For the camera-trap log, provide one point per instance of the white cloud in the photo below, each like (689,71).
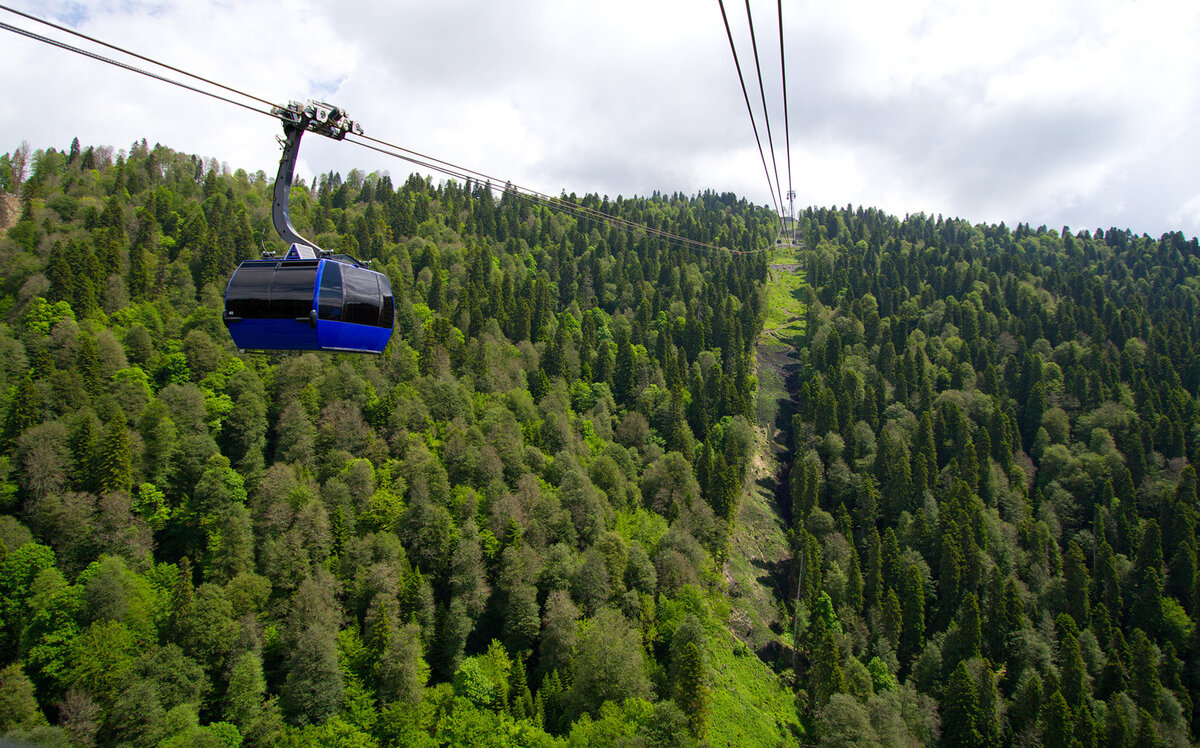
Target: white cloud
(1053,112)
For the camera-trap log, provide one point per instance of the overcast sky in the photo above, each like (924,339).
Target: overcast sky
(1044,111)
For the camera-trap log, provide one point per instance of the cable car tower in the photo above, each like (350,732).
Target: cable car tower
(310,299)
(791,196)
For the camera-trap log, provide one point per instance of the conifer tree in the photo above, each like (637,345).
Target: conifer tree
(1057,720)
(1148,590)
(244,696)
(1072,671)
(521,705)
(990,701)
(960,721)
(892,617)
(1078,584)
(912,602)
(873,585)
(60,274)
(691,688)
(623,374)
(138,276)
(24,410)
(115,468)
(969,627)
(825,671)
(1026,704)
(1145,684)
(894,475)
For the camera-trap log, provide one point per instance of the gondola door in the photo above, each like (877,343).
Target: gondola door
(354,309)
(269,305)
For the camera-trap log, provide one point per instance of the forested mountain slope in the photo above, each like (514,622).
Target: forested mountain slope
(514,526)
(995,474)
(514,515)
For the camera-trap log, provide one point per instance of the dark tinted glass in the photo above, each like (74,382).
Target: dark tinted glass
(361,296)
(292,290)
(248,291)
(389,312)
(329,303)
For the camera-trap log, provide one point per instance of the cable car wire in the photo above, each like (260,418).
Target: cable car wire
(533,196)
(766,112)
(787,130)
(423,160)
(745,95)
(470,174)
(122,50)
(126,66)
(375,144)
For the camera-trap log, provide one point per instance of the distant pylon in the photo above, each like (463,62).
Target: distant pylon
(792,213)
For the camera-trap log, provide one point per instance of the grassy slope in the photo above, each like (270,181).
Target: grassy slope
(785,310)
(751,704)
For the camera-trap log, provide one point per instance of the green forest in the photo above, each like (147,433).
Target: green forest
(583,497)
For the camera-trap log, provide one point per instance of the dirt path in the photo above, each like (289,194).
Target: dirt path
(759,564)
(778,362)
(772,270)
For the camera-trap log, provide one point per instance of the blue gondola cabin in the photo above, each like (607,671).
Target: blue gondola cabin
(315,304)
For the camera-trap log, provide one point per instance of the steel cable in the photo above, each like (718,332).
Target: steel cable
(745,95)
(122,50)
(766,112)
(375,144)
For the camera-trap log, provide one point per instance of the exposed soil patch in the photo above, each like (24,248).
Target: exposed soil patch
(784,267)
(10,210)
(759,568)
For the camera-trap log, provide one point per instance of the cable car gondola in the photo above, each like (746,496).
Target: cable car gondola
(319,304)
(310,300)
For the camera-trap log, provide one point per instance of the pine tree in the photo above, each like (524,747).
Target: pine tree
(88,362)
(925,456)
(1117,730)
(521,705)
(1026,704)
(691,688)
(873,587)
(892,619)
(893,471)
(25,409)
(244,696)
(314,687)
(1057,720)
(826,418)
(950,571)
(1078,583)
(110,242)
(854,580)
(115,455)
(960,709)
(60,274)
(623,376)
(1072,671)
(969,627)
(1146,686)
(990,701)
(805,490)
(1148,581)
(825,670)
(215,260)
(138,276)
(1086,730)
(912,602)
